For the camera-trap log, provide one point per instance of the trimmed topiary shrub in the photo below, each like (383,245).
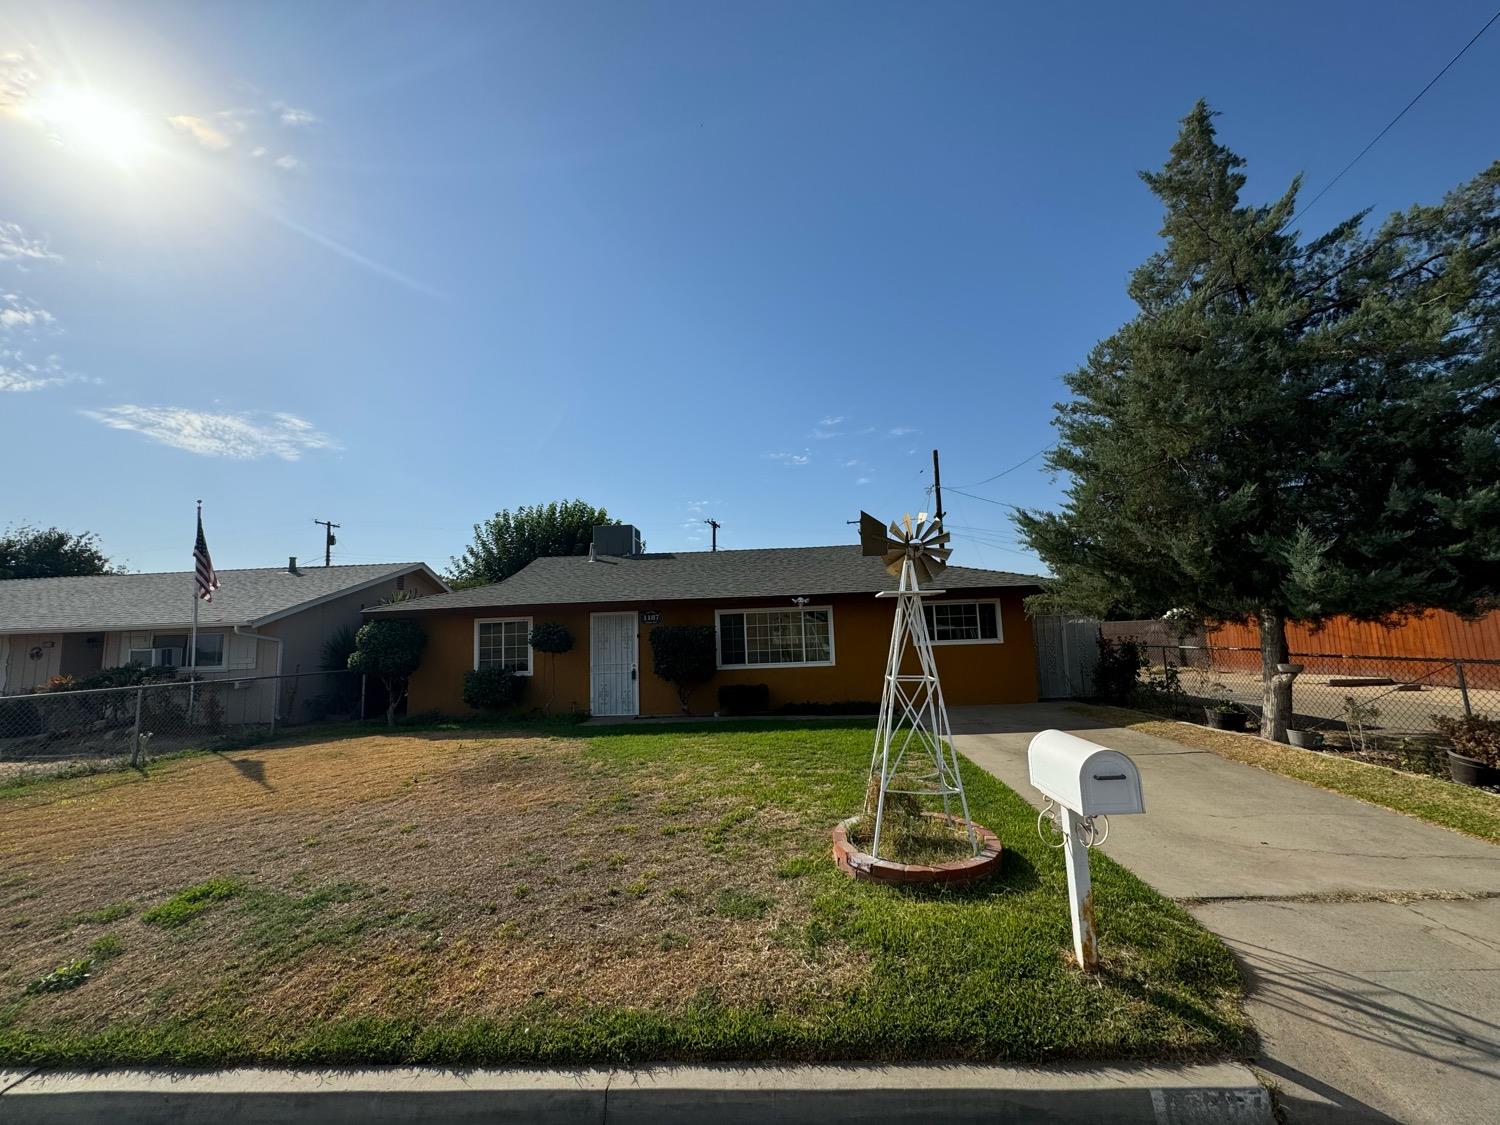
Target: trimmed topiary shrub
(683,655)
(744,699)
(493,688)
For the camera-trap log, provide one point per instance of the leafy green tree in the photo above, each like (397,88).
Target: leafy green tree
(683,655)
(507,541)
(31,552)
(390,650)
(1288,429)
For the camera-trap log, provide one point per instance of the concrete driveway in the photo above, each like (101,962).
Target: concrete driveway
(1376,994)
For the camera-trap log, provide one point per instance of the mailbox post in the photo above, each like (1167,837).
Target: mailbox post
(1082,780)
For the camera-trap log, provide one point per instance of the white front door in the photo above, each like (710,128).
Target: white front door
(613,674)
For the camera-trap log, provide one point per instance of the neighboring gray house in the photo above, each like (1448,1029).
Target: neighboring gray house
(262,622)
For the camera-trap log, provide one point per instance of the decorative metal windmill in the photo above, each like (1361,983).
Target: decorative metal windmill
(913,726)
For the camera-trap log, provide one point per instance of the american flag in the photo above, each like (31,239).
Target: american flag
(203,566)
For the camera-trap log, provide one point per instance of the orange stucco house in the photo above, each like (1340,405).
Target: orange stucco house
(802,620)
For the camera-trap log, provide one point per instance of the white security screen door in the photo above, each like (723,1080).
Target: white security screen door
(613,675)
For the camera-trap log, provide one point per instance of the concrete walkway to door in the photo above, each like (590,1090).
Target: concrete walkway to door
(1371,941)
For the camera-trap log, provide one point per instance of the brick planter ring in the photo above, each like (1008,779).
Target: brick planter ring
(862,865)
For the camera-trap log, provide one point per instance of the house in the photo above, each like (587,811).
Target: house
(261,622)
(802,620)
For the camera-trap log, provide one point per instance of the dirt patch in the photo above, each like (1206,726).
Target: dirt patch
(415,875)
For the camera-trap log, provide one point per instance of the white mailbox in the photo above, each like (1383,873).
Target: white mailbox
(1082,780)
(1083,776)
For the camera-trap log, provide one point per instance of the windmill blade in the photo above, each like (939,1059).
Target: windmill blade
(923,571)
(939,554)
(936,540)
(893,559)
(906,526)
(872,536)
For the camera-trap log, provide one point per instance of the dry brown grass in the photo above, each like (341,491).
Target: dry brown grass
(416,875)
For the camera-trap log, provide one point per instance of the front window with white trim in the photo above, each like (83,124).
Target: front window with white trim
(957,623)
(171,650)
(755,638)
(503,642)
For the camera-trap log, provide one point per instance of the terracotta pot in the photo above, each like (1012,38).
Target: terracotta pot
(1471,771)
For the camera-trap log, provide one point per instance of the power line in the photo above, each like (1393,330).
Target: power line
(1392,123)
(986,499)
(1003,472)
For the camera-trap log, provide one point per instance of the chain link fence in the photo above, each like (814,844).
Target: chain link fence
(1378,705)
(150,719)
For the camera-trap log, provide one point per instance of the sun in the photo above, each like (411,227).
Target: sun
(91,123)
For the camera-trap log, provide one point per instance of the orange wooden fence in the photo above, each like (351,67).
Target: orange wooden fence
(1437,633)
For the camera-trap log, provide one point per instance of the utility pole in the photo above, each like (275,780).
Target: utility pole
(937,487)
(715,525)
(329,540)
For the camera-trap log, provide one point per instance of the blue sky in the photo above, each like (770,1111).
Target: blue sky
(402,265)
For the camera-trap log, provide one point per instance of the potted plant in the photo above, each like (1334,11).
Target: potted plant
(1306,739)
(1225,714)
(1474,750)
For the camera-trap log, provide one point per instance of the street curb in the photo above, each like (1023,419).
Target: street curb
(1226,1093)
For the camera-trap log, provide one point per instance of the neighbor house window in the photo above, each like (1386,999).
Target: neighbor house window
(503,643)
(963,622)
(756,638)
(170,650)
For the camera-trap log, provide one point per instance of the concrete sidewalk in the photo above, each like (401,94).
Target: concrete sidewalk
(1214,1094)
(1376,994)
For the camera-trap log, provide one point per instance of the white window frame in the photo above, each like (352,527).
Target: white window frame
(530,652)
(997,639)
(156,651)
(832,649)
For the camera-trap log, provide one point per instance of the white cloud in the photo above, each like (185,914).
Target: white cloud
(790,458)
(241,437)
(824,435)
(902,431)
(201,131)
(287,163)
(19,375)
(18,314)
(862,480)
(294,117)
(258,151)
(15,246)
(832,420)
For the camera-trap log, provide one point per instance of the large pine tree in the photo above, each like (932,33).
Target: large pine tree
(1288,429)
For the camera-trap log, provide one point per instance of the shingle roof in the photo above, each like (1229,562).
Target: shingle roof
(126,601)
(768,573)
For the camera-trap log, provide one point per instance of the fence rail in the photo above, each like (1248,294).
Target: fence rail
(1392,695)
(149,719)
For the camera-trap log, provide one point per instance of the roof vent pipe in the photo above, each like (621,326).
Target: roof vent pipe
(591,552)
(291,564)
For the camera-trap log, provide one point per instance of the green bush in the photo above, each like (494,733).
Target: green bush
(683,655)
(1119,666)
(551,637)
(389,650)
(493,688)
(744,699)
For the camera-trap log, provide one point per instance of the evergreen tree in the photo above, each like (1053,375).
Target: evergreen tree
(1287,430)
(506,542)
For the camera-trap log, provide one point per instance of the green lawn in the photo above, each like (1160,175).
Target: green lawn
(557,895)
(1462,808)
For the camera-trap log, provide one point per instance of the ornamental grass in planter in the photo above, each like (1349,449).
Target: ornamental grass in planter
(1474,750)
(1225,715)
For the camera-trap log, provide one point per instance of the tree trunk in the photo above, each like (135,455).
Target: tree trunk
(1276,686)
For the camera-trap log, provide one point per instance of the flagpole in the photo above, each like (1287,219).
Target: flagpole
(193,642)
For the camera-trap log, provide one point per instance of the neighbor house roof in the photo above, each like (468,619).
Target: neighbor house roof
(696,575)
(130,601)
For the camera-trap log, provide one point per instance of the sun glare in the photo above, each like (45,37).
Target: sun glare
(92,124)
